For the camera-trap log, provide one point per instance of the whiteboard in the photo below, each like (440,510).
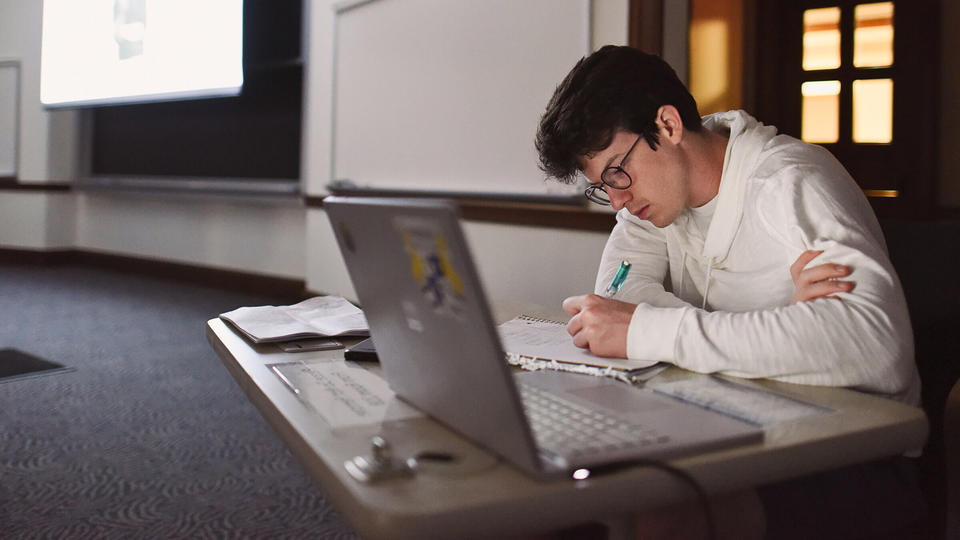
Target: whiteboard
(446,95)
(9,116)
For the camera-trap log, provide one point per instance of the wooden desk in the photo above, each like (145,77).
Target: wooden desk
(482,496)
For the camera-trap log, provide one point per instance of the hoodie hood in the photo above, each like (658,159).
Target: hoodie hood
(746,139)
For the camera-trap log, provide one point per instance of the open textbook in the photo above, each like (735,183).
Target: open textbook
(534,343)
(320,316)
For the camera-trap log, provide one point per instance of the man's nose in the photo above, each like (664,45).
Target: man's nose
(618,197)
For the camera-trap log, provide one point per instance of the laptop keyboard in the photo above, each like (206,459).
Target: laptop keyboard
(571,430)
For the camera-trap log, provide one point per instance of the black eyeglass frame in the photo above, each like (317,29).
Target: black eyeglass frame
(597,193)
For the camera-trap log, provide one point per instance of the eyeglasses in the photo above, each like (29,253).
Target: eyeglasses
(614,176)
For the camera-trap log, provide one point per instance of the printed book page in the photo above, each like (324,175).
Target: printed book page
(320,316)
(546,340)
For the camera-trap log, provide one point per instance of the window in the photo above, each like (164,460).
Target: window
(859,78)
(821,110)
(871,121)
(873,111)
(821,38)
(873,35)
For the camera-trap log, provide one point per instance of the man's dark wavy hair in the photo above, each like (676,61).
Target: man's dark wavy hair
(615,88)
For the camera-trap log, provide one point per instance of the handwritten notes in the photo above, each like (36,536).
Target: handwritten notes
(343,393)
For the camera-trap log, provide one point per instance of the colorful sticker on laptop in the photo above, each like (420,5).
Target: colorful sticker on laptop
(431,264)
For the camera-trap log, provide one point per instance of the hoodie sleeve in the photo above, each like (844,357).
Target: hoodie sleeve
(863,340)
(645,247)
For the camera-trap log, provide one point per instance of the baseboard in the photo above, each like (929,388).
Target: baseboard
(36,257)
(282,288)
(11,183)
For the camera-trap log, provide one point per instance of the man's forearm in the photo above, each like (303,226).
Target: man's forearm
(824,342)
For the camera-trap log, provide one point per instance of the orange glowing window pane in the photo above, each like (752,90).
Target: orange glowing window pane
(821,111)
(821,38)
(873,35)
(873,111)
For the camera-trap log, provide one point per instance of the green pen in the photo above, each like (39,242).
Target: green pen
(618,280)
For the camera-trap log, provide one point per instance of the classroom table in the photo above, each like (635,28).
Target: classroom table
(479,495)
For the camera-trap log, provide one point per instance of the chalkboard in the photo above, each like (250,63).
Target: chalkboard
(445,95)
(9,116)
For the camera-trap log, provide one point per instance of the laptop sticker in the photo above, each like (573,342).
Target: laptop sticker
(431,265)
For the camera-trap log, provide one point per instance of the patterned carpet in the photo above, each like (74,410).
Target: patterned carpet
(149,436)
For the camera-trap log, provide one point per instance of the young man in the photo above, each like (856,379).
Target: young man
(721,220)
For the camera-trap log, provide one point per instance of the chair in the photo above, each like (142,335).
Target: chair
(925,253)
(951,436)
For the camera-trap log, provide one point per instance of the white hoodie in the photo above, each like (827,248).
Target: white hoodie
(729,310)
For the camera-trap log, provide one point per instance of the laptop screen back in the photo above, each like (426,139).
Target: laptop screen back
(437,343)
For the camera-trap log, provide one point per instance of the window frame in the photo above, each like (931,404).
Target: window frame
(908,164)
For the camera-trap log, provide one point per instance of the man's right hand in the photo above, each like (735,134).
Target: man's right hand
(818,281)
(599,324)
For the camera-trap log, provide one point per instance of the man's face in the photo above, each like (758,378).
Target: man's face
(660,188)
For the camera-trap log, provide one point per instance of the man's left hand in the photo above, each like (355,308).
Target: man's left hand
(818,281)
(599,324)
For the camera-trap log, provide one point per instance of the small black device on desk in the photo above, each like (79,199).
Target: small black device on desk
(361,352)
(306,345)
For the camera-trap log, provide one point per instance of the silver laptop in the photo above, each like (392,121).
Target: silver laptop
(440,351)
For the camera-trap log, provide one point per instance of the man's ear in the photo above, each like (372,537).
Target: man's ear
(670,123)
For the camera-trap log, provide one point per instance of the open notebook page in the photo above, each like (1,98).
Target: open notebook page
(547,340)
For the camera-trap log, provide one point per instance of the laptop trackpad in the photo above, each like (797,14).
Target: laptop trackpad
(621,398)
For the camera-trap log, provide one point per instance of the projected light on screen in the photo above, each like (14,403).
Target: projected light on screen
(97,52)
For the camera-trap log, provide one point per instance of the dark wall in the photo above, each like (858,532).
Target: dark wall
(254,135)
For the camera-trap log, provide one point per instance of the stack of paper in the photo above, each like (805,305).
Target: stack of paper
(320,316)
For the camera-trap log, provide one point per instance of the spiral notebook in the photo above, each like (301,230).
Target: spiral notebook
(533,343)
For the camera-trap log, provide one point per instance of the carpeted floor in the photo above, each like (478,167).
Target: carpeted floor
(148,436)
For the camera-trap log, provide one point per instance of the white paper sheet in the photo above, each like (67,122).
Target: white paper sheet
(755,405)
(343,393)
